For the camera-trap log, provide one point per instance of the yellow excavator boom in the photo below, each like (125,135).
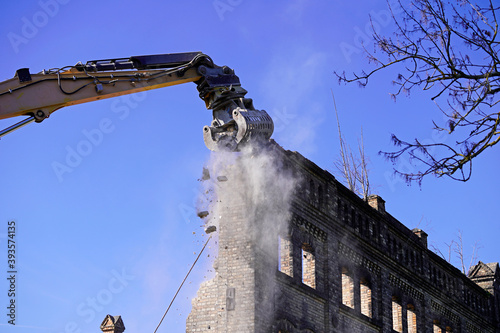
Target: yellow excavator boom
(235,121)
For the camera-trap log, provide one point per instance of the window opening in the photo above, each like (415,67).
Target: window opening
(285,256)
(411,318)
(347,289)
(308,266)
(366,298)
(397,314)
(436,328)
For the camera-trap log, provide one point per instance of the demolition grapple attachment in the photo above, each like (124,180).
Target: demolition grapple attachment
(235,120)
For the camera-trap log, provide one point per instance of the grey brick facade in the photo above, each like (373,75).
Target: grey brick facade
(339,264)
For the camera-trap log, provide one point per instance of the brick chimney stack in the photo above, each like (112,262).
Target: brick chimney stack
(422,235)
(377,202)
(112,324)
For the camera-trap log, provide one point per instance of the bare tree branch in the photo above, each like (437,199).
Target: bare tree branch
(363,169)
(354,169)
(449,251)
(456,247)
(450,49)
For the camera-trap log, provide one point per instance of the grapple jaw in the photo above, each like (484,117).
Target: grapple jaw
(246,125)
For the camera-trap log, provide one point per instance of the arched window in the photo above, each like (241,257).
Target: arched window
(285,256)
(308,266)
(313,195)
(389,245)
(346,219)
(368,228)
(397,315)
(321,199)
(366,298)
(347,289)
(411,319)
(435,327)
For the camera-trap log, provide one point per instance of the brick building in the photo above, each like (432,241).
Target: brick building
(338,264)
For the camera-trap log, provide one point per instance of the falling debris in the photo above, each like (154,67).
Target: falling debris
(205,175)
(210,229)
(203,214)
(222,178)
(249,193)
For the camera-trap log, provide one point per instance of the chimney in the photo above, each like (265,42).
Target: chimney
(422,235)
(376,202)
(112,324)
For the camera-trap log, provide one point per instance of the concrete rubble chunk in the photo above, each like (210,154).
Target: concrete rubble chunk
(205,174)
(210,229)
(203,214)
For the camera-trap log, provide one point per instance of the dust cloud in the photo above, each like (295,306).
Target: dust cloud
(247,198)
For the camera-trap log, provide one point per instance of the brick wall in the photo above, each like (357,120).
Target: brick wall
(340,265)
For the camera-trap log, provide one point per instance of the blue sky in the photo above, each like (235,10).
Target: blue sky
(117,234)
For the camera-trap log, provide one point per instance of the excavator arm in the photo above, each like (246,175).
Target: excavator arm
(235,121)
